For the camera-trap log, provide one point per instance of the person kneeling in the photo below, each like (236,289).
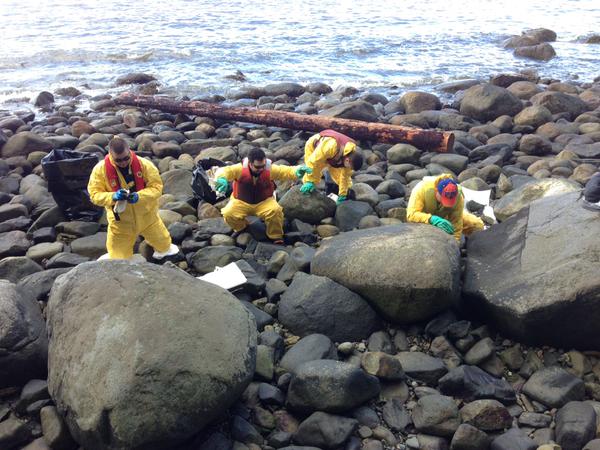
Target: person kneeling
(439,201)
(253,188)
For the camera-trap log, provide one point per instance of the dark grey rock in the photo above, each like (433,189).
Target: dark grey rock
(559,102)
(23,339)
(325,430)
(511,280)
(575,425)
(62,260)
(349,213)
(15,268)
(486,102)
(309,348)
(380,341)
(513,439)
(243,431)
(13,243)
(270,395)
(206,259)
(535,420)
(308,208)
(470,382)
(395,415)
(467,437)
(436,415)
(262,318)
(14,433)
(456,163)
(554,386)
(315,304)
(486,415)
(357,110)
(481,351)
(422,367)
(330,386)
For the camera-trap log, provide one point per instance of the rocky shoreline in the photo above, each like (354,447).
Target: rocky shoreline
(330,365)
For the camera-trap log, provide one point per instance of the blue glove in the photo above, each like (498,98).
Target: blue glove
(133,197)
(307,187)
(222,185)
(121,194)
(340,199)
(302,170)
(442,224)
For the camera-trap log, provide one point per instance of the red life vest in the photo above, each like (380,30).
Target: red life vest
(246,190)
(341,141)
(113,178)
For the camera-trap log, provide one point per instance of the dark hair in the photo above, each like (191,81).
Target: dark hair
(118,145)
(256,154)
(356,160)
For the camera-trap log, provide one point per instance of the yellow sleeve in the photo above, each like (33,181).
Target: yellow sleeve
(318,158)
(345,181)
(456,217)
(154,184)
(280,172)
(416,206)
(230,173)
(98,187)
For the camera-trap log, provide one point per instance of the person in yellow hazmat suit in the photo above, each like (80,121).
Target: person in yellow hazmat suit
(135,184)
(336,152)
(253,188)
(439,201)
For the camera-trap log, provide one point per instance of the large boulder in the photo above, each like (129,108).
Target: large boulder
(536,275)
(541,52)
(178,182)
(486,102)
(519,198)
(341,315)
(408,272)
(23,340)
(150,364)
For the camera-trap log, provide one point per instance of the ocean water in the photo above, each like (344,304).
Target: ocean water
(191,46)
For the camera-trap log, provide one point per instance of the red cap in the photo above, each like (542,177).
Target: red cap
(448,190)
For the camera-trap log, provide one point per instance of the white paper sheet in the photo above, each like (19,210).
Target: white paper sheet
(226,277)
(481,197)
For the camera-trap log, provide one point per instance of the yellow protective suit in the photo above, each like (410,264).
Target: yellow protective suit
(316,159)
(423,204)
(236,211)
(139,218)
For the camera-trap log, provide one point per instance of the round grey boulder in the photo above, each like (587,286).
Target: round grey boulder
(143,356)
(408,272)
(486,102)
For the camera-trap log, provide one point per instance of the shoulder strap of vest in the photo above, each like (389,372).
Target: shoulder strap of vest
(245,163)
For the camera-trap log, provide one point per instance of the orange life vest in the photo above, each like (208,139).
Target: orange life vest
(113,177)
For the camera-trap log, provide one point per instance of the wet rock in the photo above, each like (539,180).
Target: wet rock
(206,259)
(390,253)
(422,367)
(324,430)
(540,52)
(415,102)
(575,425)
(554,386)
(310,348)
(486,102)
(179,359)
(523,196)
(467,437)
(541,291)
(23,143)
(559,102)
(470,382)
(134,78)
(330,386)
(308,208)
(23,340)
(342,315)
(486,415)
(436,415)
(513,439)
(357,110)
(349,213)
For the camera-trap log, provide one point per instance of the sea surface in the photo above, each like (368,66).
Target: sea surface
(191,46)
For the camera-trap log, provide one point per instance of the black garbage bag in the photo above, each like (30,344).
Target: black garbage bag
(68,173)
(200,184)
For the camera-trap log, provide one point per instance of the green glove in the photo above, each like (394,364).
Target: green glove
(340,199)
(222,185)
(302,170)
(442,224)
(307,187)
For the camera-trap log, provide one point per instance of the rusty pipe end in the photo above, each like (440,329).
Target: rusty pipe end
(447,143)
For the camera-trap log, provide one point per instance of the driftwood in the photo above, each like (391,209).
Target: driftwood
(379,132)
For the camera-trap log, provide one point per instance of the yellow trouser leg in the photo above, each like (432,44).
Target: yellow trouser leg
(270,211)
(157,236)
(235,213)
(471,223)
(119,242)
